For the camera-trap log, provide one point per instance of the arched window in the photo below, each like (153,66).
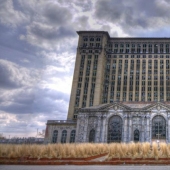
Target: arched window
(136,135)
(115,129)
(55,135)
(158,127)
(72,136)
(64,136)
(92,136)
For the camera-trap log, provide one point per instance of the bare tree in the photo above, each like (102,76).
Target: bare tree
(2,136)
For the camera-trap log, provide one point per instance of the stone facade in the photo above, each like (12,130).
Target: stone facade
(136,117)
(59,126)
(133,116)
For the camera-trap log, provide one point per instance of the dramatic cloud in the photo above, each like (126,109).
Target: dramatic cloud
(9,16)
(13,76)
(38,44)
(134,16)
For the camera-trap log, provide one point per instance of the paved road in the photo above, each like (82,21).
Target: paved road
(71,167)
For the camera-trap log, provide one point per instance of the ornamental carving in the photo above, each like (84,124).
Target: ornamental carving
(81,131)
(92,122)
(137,120)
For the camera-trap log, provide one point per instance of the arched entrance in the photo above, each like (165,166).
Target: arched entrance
(158,128)
(136,135)
(92,136)
(114,129)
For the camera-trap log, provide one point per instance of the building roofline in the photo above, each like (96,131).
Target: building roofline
(141,38)
(118,38)
(104,32)
(61,122)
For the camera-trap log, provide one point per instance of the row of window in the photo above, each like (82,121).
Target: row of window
(63,136)
(138,45)
(90,51)
(91,45)
(138,56)
(132,63)
(136,51)
(91,39)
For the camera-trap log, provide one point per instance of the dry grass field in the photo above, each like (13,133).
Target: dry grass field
(114,150)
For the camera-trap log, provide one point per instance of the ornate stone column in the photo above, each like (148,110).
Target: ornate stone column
(143,128)
(125,134)
(148,129)
(77,139)
(86,118)
(104,129)
(130,128)
(82,124)
(98,137)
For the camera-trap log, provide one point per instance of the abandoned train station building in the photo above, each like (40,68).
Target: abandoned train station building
(120,91)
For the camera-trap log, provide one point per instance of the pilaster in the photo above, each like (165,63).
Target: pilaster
(125,134)
(143,129)
(158,85)
(104,129)
(140,80)
(128,78)
(98,136)
(122,81)
(134,81)
(130,128)
(86,117)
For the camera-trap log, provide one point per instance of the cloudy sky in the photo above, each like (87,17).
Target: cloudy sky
(38,43)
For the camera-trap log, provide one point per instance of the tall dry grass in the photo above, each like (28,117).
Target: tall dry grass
(138,150)
(53,150)
(114,150)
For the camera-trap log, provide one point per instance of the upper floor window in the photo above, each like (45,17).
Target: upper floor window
(161,45)
(121,45)
(133,45)
(92,39)
(97,39)
(116,45)
(91,44)
(97,44)
(85,39)
(110,45)
(144,45)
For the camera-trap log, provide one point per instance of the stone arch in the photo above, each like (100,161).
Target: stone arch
(155,114)
(115,128)
(159,127)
